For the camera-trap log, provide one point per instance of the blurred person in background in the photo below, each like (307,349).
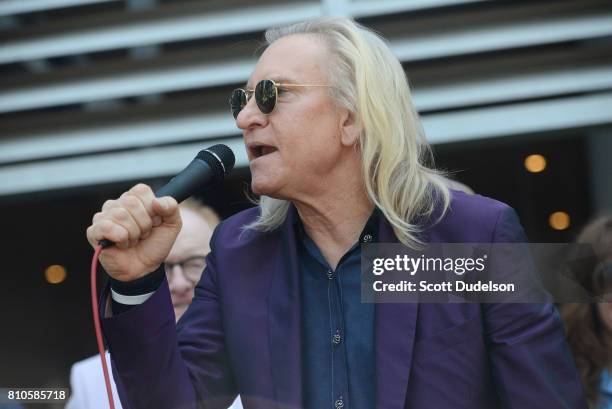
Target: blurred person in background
(589,325)
(184,266)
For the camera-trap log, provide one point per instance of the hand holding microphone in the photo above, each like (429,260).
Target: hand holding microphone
(143,225)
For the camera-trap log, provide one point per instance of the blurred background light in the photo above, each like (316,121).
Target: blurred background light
(535,163)
(559,220)
(55,274)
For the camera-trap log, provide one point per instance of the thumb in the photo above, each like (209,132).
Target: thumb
(167,208)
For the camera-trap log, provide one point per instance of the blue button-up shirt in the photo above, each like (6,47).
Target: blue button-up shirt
(337,329)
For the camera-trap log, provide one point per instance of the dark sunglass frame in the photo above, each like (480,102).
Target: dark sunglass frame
(266,95)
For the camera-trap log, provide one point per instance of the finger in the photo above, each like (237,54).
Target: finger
(90,237)
(138,212)
(157,220)
(96,217)
(109,230)
(145,194)
(167,208)
(122,217)
(109,204)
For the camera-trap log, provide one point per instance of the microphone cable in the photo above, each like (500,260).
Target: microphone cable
(98,328)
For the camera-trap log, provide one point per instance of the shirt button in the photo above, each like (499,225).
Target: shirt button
(337,339)
(367,238)
(330,274)
(339,403)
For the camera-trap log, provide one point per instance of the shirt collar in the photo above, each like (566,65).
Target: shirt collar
(369,234)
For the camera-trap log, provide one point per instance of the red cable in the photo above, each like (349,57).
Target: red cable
(96,319)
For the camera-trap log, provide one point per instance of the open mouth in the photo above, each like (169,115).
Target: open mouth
(258,150)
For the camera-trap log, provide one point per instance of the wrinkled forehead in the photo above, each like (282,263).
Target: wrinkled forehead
(296,59)
(194,237)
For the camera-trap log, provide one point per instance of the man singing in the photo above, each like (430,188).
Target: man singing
(337,153)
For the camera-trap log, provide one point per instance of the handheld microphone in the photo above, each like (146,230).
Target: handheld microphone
(210,165)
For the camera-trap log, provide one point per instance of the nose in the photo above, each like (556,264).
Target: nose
(177,282)
(250,116)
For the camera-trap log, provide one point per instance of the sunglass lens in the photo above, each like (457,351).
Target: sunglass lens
(265,96)
(237,101)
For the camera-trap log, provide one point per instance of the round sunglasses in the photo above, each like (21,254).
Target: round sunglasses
(266,94)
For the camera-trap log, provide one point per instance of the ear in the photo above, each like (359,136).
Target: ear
(350,130)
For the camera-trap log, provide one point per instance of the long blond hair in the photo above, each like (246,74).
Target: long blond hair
(368,80)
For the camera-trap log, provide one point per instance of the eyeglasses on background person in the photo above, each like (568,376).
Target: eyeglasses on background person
(191,268)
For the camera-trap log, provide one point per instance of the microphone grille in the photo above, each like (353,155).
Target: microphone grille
(220,158)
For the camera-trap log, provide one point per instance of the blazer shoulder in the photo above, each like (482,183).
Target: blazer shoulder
(232,233)
(475,206)
(474,218)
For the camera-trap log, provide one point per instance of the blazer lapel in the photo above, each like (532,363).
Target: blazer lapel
(284,320)
(394,332)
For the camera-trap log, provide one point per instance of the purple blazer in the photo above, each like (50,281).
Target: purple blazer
(241,334)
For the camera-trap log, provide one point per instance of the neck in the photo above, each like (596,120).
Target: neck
(335,219)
